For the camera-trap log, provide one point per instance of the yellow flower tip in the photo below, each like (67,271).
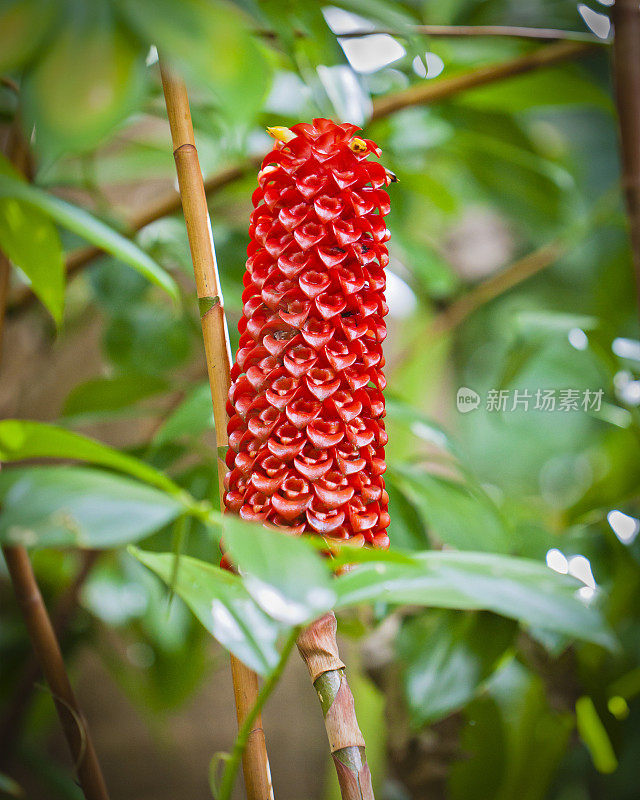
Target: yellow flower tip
(281,134)
(358,145)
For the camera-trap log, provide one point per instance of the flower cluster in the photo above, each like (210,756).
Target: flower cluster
(306,434)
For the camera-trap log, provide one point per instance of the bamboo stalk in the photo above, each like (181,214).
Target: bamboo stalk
(255,761)
(48,652)
(422,94)
(626,66)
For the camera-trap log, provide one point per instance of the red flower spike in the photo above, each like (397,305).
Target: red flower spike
(306,431)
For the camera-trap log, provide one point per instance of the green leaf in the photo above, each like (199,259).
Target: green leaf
(75,506)
(148,339)
(31,242)
(458,514)
(213,45)
(513,587)
(88,81)
(23,439)
(221,602)
(445,657)
(103,395)
(566,85)
(284,575)
(551,322)
(191,418)
(595,736)
(88,227)
(421,425)
(23,26)
(514,739)
(406,530)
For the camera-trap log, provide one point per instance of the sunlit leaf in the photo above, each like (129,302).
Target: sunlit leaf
(224,606)
(212,44)
(79,507)
(594,735)
(88,227)
(24,439)
(283,574)
(445,656)
(513,587)
(457,513)
(31,241)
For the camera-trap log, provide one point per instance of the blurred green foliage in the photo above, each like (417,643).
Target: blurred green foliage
(546,703)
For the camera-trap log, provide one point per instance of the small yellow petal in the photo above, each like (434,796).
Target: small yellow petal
(281,134)
(358,145)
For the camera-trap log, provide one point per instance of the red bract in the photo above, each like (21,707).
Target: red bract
(306,431)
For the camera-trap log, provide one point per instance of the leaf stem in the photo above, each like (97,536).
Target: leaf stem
(231,769)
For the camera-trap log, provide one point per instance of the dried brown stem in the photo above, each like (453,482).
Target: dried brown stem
(422,94)
(626,66)
(255,762)
(319,650)
(13,718)
(48,653)
(464,31)
(502,31)
(5,273)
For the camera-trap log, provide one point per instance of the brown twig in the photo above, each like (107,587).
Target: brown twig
(433,91)
(216,342)
(464,31)
(459,310)
(5,274)
(508,31)
(48,653)
(626,66)
(13,718)
(422,94)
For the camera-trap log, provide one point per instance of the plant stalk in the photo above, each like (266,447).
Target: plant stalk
(48,653)
(319,651)
(11,723)
(246,728)
(255,761)
(422,94)
(626,68)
